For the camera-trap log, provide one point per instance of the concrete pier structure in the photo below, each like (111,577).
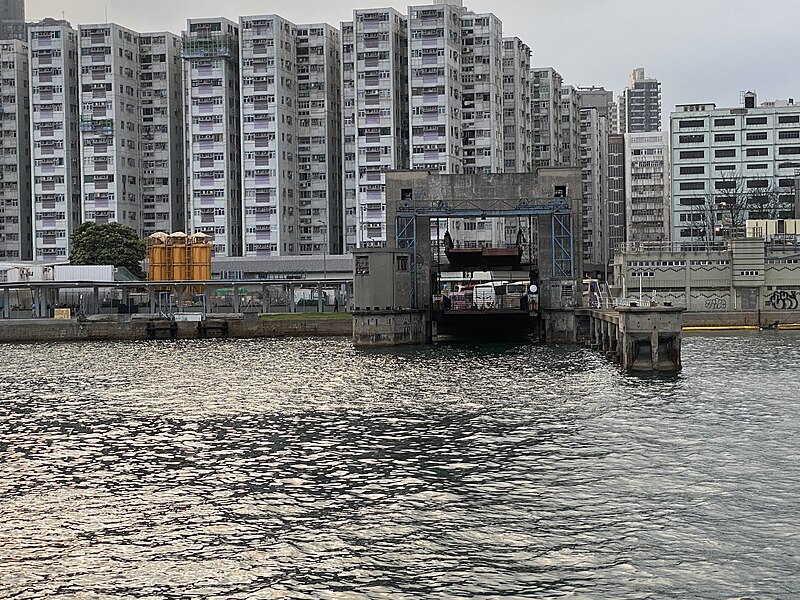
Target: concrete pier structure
(639,338)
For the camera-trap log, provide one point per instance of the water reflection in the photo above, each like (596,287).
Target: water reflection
(307,469)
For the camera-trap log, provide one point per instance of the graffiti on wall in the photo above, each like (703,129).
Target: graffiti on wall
(716,304)
(783,300)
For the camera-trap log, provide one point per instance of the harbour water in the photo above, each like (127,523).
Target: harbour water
(308,469)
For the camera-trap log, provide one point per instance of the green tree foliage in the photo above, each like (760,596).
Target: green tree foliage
(108,244)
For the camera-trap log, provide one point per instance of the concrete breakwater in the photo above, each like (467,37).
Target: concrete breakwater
(142,327)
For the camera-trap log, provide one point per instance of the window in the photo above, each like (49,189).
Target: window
(725,153)
(686,123)
(758,151)
(789,135)
(756,120)
(724,122)
(725,137)
(693,170)
(789,119)
(692,139)
(789,150)
(692,185)
(693,154)
(756,135)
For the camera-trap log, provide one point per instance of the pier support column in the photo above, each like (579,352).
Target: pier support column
(651,338)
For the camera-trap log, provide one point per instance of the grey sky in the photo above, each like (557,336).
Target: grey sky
(700,50)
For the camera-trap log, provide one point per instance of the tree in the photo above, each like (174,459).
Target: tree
(108,244)
(723,212)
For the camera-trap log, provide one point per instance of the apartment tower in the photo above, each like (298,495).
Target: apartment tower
(210,52)
(15,157)
(56,168)
(161,133)
(110,125)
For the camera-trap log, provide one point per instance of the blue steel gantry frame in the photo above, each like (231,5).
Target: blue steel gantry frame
(562,238)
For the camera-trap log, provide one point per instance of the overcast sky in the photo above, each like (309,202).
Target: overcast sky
(700,50)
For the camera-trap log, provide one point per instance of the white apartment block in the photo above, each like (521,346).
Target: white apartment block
(482,80)
(269,135)
(594,169)
(319,132)
(570,126)
(110,119)
(378,123)
(435,86)
(210,52)
(349,134)
(639,105)
(647,213)
(732,164)
(161,133)
(546,111)
(517,122)
(15,156)
(56,173)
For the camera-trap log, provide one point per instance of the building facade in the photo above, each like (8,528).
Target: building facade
(435,87)
(12,20)
(570,126)
(616,196)
(161,133)
(376,126)
(517,121)
(56,165)
(269,135)
(319,150)
(482,78)
(731,164)
(210,53)
(639,105)
(647,193)
(547,109)
(15,158)
(109,126)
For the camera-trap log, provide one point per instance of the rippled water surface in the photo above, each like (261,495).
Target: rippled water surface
(307,469)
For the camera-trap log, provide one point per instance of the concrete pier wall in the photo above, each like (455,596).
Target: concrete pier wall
(135,328)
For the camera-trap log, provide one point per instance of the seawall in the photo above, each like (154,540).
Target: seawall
(128,328)
(739,318)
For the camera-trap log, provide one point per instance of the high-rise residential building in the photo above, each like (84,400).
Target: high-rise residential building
(639,105)
(596,107)
(15,156)
(210,52)
(482,80)
(547,110)
(319,149)
(56,167)
(615,197)
(517,122)
(12,20)
(161,133)
(647,214)
(731,164)
(349,135)
(110,125)
(376,127)
(269,135)
(570,126)
(435,87)
(594,173)
(600,99)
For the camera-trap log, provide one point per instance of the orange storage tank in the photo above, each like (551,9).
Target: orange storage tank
(157,268)
(201,257)
(179,256)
